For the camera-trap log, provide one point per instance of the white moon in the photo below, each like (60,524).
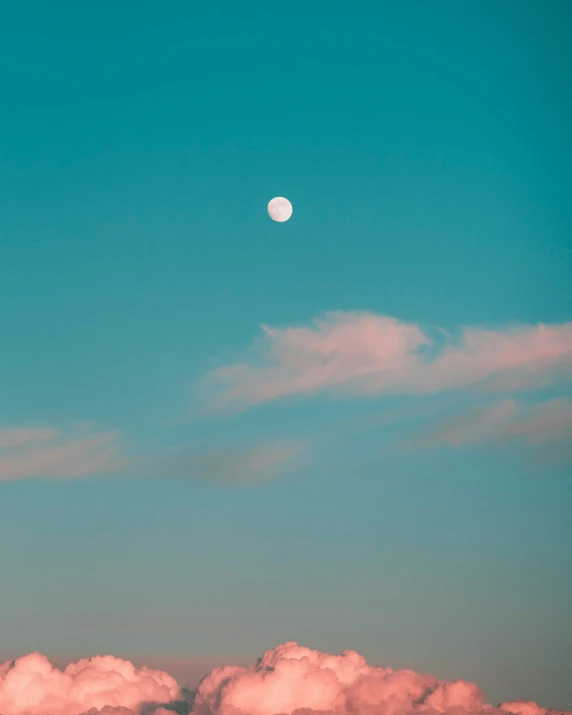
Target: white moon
(279,209)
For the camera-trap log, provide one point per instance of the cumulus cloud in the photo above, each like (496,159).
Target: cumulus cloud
(32,686)
(286,680)
(293,679)
(46,453)
(364,353)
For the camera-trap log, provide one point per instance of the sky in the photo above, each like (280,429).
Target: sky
(351,430)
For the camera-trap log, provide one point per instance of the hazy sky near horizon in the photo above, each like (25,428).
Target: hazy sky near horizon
(219,433)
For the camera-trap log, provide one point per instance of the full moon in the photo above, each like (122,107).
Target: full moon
(279,209)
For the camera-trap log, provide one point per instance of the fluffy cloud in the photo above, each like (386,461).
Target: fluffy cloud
(288,679)
(364,353)
(293,679)
(31,686)
(47,453)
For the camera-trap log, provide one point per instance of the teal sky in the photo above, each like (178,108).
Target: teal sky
(425,147)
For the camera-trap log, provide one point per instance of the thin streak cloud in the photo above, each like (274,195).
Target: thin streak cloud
(233,465)
(47,453)
(41,453)
(544,428)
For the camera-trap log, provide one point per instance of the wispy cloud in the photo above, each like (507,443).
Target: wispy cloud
(238,465)
(28,453)
(470,426)
(546,427)
(361,353)
(47,453)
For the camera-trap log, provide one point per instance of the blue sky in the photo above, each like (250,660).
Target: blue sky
(425,148)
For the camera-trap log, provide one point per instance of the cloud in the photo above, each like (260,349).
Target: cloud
(546,424)
(361,353)
(32,686)
(288,679)
(45,453)
(243,465)
(27,453)
(294,679)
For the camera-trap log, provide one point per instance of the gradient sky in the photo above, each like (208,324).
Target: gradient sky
(425,147)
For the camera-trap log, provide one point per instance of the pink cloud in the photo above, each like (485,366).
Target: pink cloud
(242,465)
(27,453)
(546,422)
(286,680)
(32,686)
(16,437)
(505,422)
(363,353)
(293,679)
(471,426)
(45,453)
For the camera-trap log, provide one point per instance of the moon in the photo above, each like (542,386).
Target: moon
(279,209)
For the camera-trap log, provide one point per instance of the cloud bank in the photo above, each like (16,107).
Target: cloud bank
(362,353)
(287,680)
